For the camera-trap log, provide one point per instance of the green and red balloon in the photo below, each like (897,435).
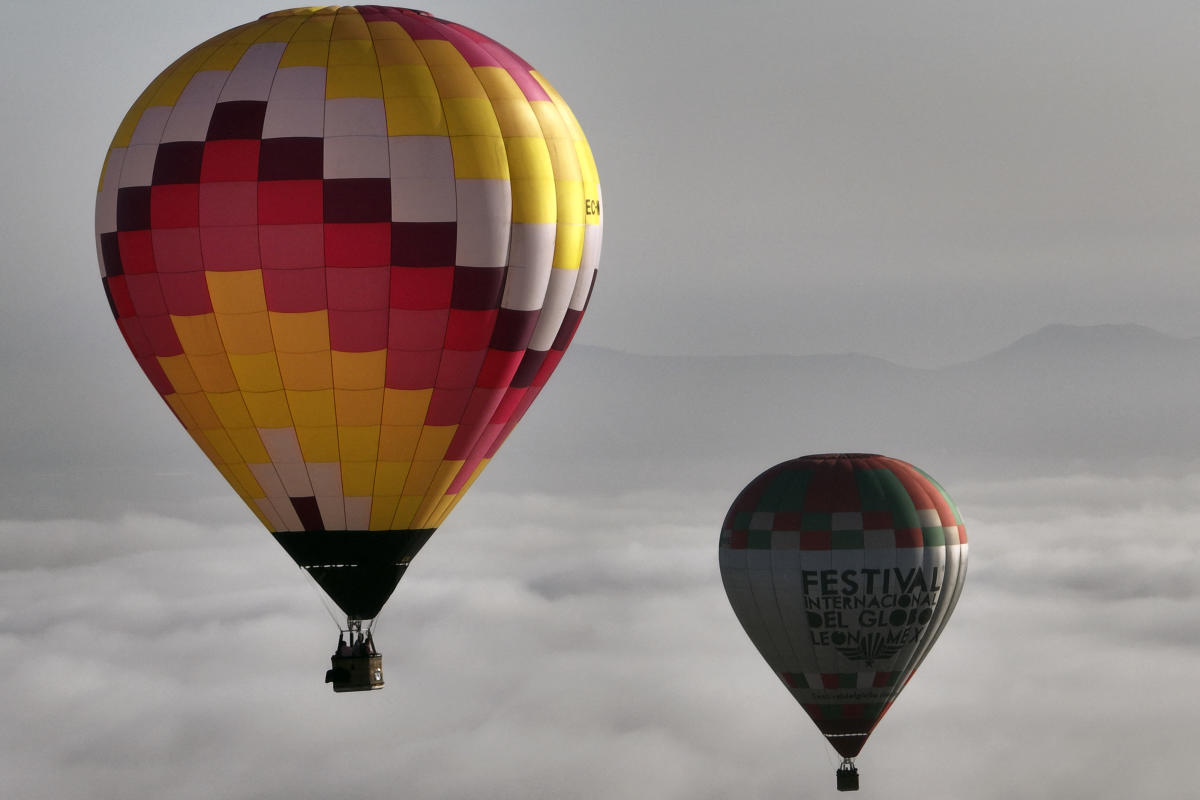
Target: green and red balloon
(843,569)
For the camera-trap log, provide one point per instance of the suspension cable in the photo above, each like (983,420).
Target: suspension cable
(330,608)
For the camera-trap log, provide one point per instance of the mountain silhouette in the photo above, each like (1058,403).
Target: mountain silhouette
(1105,398)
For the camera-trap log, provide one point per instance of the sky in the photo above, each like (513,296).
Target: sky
(923,182)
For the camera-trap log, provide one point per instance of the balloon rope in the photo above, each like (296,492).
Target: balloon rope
(325,601)
(371,622)
(828,760)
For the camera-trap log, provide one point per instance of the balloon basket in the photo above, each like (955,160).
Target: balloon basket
(847,777)
(355,667)
(355,673)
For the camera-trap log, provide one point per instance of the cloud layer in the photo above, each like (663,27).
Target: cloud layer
(551,646)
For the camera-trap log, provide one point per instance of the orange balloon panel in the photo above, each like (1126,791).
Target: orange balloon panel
(348,246)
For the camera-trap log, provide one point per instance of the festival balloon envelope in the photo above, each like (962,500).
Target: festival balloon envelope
(348,246)
(843,569)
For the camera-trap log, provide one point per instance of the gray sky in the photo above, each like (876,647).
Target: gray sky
(924,182)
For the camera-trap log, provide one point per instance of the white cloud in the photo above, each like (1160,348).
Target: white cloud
(546,646)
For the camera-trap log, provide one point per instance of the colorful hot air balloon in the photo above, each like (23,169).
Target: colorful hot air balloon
(348,246)
(843,569)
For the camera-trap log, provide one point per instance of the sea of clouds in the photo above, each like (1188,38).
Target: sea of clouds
(546,645)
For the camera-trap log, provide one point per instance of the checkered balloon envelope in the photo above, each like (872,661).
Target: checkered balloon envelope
(843,569)
(348,246)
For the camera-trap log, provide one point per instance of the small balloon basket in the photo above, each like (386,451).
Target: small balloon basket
(356,666)
(847,777)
